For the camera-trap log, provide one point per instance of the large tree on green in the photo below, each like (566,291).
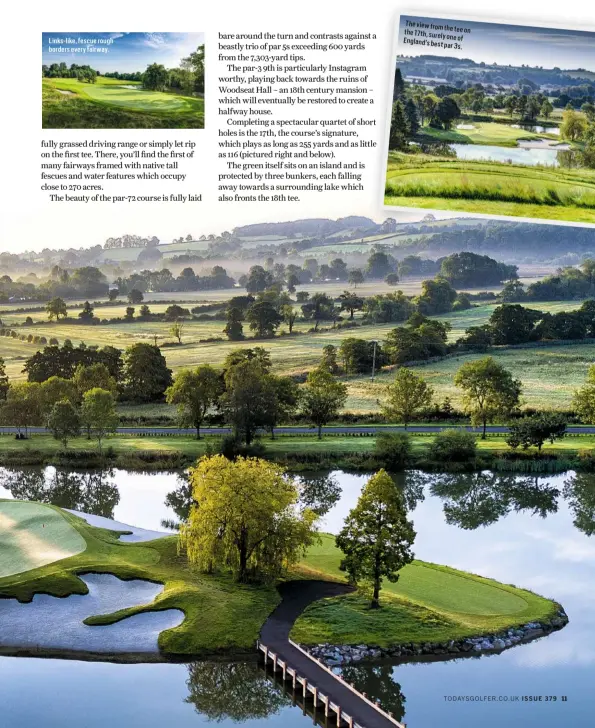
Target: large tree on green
(322,397)
(56,389)
(146,375)
(535,429)
(377,537)
(489,390)
(245,517)
(195,391)
(405,395)
(64,422)
(234,329)
(89,376)
(264,319)
(155,77)
(98,414)
(22,407)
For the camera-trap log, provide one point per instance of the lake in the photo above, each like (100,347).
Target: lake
(535,532)
(508,155)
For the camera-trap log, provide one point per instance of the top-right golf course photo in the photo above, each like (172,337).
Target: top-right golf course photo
(493,119)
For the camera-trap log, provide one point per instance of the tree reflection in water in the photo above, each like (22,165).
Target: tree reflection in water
(91,492)
(479,499)
(377,681)
(579,491)
(238,691)
(319,492)
(180,501)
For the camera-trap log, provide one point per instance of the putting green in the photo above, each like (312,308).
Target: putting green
(130,97)
(33,535)
(436,587)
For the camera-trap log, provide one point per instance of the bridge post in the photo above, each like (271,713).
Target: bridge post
(338,716)
(305,689)
(315,698)
(274,664)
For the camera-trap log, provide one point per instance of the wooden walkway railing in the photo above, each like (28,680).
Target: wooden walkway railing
(319,699)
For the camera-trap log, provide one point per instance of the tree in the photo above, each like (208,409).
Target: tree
(56,308)
(56,389)
(573,125)
(64,422)
(489,390)
(155,77)
(146,375)
(289,315)
(322,397)
(22,407)
(356,277)
(445,113)
(392,279)
(513,323)
(86,314)
(377,536)
(350,302)
(546,109)
(135,297)
(176,330)
(263,319)
(398,135)
(195,392)
(406,395)
(245,518)
(3,380)
(379,265)
(437,296)
(250,399)
(234,329)
(583,401)
(258,280)
(113,294)
(98,414)
(89,376)
(536,429)
(329,358)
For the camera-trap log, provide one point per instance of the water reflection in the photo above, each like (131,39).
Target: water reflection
(91,492)
(479,499)
(579,491)
(379,683)
(238,691)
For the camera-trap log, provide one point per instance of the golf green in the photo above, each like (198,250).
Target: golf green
(33,535)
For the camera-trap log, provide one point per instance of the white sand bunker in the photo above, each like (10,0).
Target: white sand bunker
(136,535)
(56,623)
(32,535)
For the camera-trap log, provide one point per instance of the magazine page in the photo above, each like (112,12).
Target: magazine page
(297,381)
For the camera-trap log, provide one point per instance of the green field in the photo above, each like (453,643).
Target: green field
(550,374)
(111,104)
(32,535)
(490,188)
(430,602)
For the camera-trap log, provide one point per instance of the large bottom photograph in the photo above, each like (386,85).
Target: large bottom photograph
(336,472)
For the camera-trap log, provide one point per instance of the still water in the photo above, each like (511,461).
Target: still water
(508,155)
(536,532)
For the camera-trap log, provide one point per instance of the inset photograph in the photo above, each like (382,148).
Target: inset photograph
(493,119)
(123,80)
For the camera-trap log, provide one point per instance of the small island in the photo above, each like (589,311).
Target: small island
(129,594)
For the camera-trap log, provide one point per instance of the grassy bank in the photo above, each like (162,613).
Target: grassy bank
(490,188)
(297,452)
(429,603)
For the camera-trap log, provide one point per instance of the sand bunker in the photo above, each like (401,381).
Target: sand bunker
(32,535)
(136,535)
(54,623)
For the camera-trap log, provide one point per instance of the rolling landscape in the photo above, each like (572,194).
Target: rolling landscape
(492,139)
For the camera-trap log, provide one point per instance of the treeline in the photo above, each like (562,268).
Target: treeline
(61,70)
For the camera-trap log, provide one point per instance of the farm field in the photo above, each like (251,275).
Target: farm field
(550,373)
(111,104)
(490,188)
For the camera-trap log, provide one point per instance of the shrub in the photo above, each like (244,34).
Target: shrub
(393,449)
(453,445)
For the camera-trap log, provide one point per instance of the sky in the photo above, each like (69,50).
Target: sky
(513,45)
(124,52)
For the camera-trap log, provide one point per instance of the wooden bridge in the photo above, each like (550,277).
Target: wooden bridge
(330,697)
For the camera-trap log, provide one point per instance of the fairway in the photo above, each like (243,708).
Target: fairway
(482,132)
(33,535)
(129,96)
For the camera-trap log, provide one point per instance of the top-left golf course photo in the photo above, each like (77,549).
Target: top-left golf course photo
(123,80)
